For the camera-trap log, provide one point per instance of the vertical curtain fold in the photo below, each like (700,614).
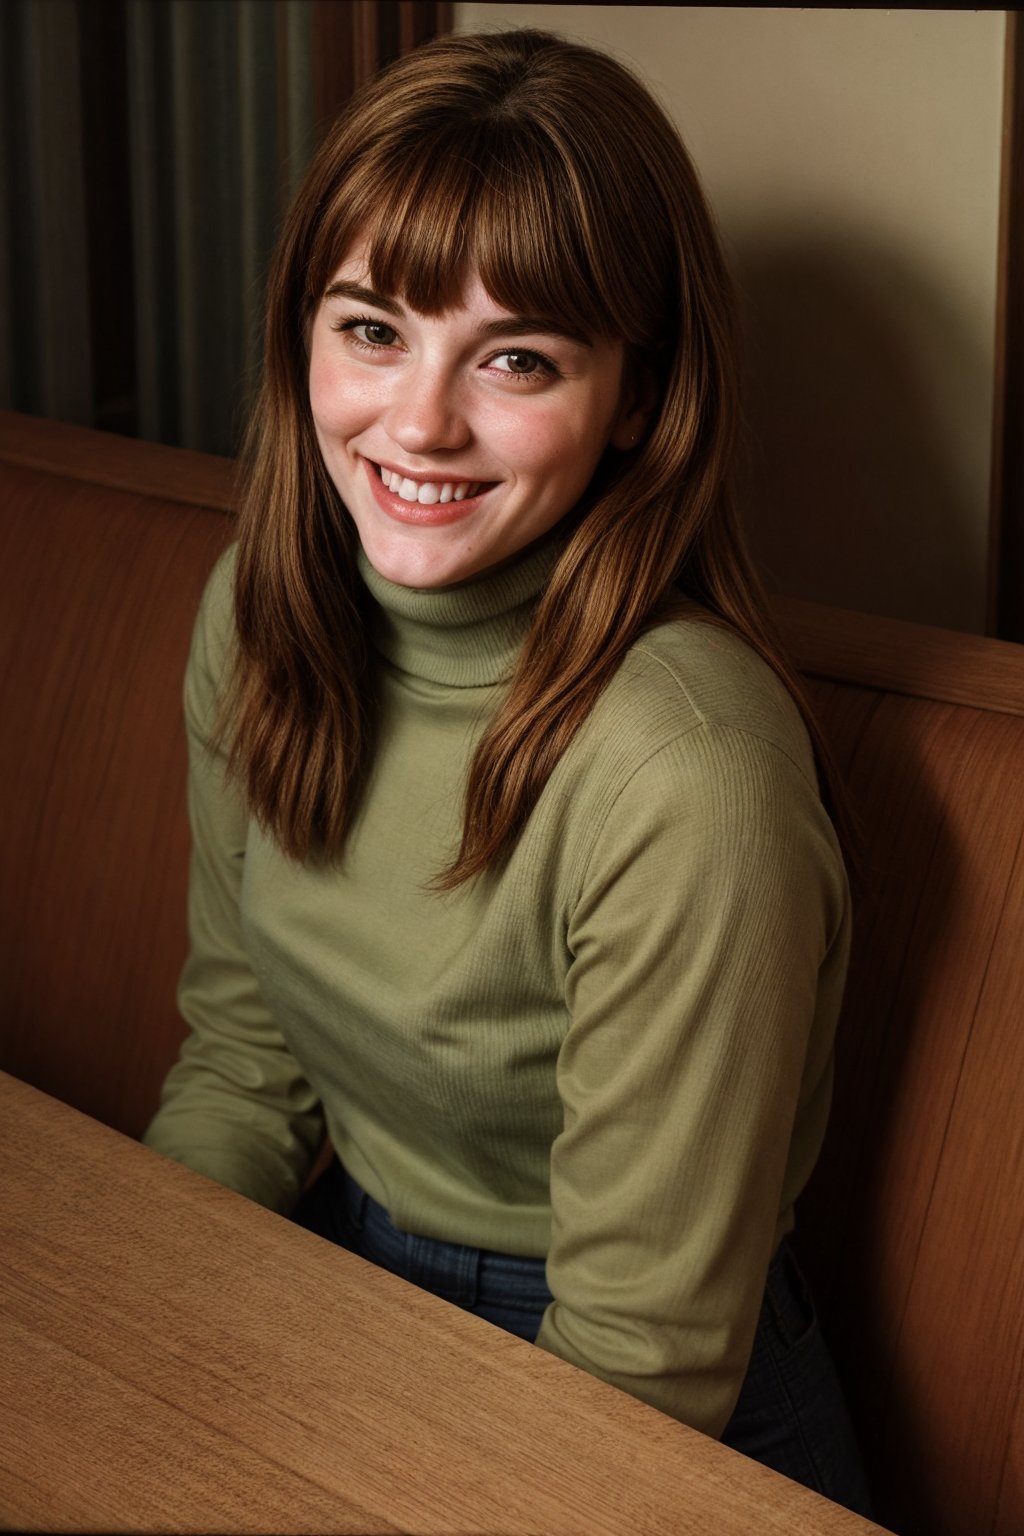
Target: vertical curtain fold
(203,117)
(46,341)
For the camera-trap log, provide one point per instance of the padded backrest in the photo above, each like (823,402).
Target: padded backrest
(98,590)
(913,1225)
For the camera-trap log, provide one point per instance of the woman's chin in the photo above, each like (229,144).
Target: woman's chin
(412,563)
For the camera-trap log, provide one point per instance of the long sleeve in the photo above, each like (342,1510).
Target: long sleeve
(708,949)
(236,1106)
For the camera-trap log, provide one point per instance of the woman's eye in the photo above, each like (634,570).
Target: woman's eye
(375,332)
(366,333)
(523,364)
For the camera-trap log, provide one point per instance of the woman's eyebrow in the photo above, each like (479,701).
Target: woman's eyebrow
(346,290)
(519,325)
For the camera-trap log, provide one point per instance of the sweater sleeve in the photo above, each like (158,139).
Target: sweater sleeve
(696,1071)
(236,1106)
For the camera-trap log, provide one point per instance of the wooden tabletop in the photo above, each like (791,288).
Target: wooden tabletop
(175,1358)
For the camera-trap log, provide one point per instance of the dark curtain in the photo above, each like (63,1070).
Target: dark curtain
(148,149)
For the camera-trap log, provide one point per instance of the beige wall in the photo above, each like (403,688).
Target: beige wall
(853,160)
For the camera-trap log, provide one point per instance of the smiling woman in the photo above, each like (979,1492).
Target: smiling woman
(511,867)
(452,451)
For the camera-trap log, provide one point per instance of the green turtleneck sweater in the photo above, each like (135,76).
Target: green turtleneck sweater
(616,1051)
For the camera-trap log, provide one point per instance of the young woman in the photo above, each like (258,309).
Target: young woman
(510,865)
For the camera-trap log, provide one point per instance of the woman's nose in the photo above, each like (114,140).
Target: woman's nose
(426,413)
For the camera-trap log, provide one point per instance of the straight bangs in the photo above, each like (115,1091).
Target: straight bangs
(447,206)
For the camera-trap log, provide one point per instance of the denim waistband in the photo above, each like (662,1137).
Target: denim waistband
(469,1277)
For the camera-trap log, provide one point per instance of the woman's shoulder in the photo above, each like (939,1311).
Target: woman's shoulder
(212,643)
(217,604)
(696,755)
(215,620)
(692,674)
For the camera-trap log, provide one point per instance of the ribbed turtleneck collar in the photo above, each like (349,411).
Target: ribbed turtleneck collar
(466,636)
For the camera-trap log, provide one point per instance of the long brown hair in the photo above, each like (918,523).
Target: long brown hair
(548,168)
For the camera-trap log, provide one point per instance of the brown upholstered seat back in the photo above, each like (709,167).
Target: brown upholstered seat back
(98,591)
(914,1223)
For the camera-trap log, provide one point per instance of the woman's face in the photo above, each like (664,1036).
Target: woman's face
(456,440)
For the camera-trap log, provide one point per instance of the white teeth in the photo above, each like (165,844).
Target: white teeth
(427,492)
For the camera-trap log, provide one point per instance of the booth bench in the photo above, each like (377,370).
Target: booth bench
(913,1226)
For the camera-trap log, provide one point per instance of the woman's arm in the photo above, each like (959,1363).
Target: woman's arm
(709,947)
(236,1106)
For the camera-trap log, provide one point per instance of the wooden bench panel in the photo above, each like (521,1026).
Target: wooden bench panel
(913,1225)
(94,633)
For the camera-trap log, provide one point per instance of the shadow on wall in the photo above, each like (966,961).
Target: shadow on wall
(868,407)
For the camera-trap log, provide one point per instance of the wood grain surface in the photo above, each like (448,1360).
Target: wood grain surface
(123,463)
(177,1359)
(913,1223)
(913,659)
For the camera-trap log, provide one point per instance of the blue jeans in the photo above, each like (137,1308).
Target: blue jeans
(790,1415)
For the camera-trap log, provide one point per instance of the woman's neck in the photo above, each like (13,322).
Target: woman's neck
(463,636)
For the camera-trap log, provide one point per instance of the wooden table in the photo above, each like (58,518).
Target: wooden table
(175,1358)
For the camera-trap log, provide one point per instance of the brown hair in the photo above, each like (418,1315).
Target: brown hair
(549,169)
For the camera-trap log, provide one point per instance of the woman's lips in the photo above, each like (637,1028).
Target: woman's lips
(429,513)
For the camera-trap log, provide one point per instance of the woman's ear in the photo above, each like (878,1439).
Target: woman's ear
(639,397)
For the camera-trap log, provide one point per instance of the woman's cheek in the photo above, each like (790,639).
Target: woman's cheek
(320,386)
(532,438)
(332,398)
